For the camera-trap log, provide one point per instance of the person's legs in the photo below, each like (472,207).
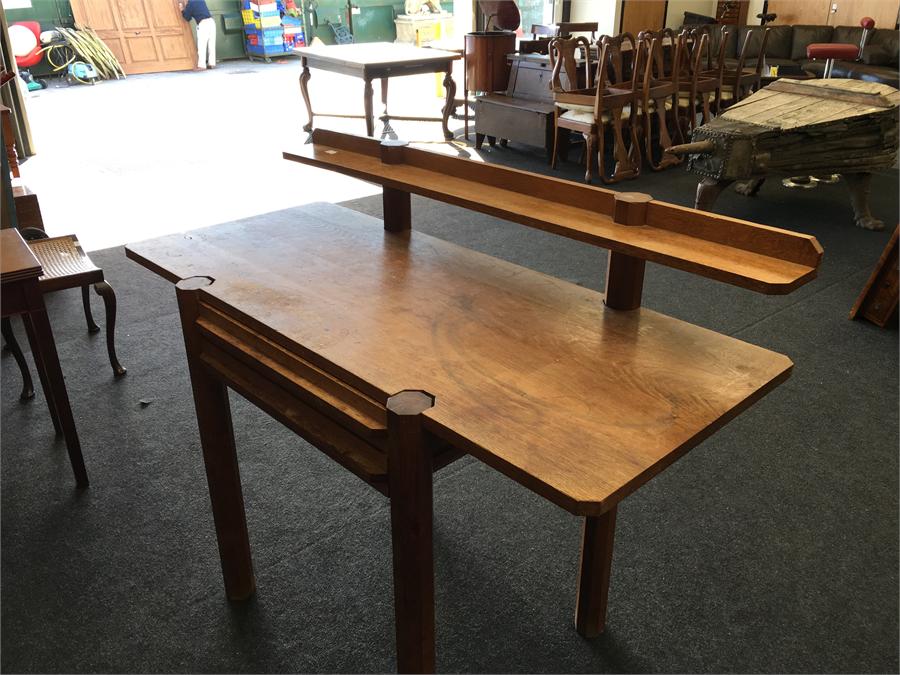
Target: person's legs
(212,43)
(202,42)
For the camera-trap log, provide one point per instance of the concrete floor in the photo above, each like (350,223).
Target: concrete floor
(153,154)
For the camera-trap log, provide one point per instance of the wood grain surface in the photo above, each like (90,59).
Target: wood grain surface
(16,259)
(374,54)
(764,259)
(531,374)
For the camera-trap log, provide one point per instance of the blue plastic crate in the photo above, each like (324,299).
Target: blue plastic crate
(267,50)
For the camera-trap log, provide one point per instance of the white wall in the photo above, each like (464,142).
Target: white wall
(605,12)
(676,9)
(754,9)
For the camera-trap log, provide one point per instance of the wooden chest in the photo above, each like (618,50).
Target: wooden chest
(524,114)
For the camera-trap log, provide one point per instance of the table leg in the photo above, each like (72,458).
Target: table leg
(219,454)
(593,580)
(13,345)
(384,93)
(397,209)
(859,185)
(450,91)
(367,104)
(708,190)
(42,375)
(410,485)
(304,90)
(46,360)
(465,97)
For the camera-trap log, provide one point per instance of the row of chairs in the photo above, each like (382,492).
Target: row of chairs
(647,92)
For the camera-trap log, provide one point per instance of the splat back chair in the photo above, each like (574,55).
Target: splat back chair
(700,90)
(712,61)
(66,265)
(541,34)
(659,96)
(739,83)
(589,111)
(574,106)
(619,75)
(566,28)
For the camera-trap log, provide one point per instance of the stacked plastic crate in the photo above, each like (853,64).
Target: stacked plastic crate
(272,27)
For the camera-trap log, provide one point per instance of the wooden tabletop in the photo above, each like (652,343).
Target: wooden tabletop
(17,262)
(531,374)
(375,54)
(790,104)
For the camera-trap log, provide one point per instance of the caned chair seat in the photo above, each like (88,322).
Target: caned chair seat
(65,263)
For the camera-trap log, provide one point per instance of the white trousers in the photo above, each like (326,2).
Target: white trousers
(206,43)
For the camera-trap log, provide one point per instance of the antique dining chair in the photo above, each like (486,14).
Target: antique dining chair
(712,60)
(620,75)
(566,28)
(541,34)
(661,56)
(590,110)
(573,105)
(700,85)
(66,265)
(741,81)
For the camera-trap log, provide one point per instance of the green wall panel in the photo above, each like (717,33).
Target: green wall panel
(374,23)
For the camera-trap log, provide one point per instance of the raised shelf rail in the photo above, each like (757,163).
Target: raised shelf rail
(761,258)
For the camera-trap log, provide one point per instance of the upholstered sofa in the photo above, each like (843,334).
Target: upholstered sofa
(787,48)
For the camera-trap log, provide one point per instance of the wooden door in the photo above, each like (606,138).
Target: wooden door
(147,36)
(638,15)
(849,12)
(800,12)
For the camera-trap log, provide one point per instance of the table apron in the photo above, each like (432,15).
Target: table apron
(333,416)
(14,299)
(401,69)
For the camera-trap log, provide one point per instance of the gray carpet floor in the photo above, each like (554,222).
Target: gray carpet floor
(771,547)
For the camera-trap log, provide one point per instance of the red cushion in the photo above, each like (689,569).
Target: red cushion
(35,55)
(825,50)
(867,22)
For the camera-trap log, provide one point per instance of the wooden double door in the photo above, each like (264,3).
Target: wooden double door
(147,36)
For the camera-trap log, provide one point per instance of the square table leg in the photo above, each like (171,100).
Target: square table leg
(593,580)
(219,453)
(368,106)
(46,360)
(410,491)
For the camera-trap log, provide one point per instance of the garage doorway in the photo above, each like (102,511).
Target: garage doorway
(147,36)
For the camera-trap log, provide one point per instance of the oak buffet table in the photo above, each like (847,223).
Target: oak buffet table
(378,60)
(395,352)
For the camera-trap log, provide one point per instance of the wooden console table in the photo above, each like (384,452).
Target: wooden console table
(395,352)
(378,60)
(19,274)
